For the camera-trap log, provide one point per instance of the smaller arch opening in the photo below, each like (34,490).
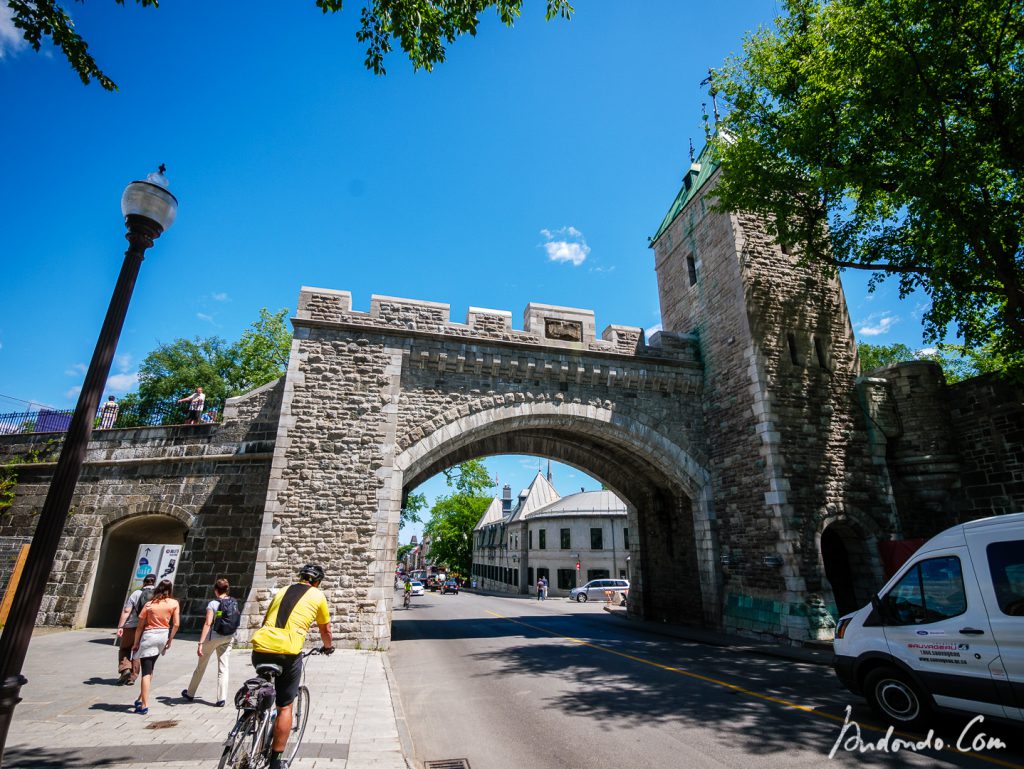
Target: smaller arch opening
(121,541)
(846,565)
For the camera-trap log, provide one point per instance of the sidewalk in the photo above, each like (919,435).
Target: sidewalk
(74,715)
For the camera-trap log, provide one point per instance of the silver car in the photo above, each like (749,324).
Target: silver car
(596,588)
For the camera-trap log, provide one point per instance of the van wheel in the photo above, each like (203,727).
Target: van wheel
(892,695)
(581,598)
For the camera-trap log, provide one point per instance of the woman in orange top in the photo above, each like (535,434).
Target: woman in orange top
(159,620)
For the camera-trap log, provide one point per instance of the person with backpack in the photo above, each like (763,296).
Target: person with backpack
(127,667)
(222,618)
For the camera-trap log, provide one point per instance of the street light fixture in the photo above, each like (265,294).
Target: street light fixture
(149,208)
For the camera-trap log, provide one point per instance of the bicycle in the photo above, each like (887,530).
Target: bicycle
(249,743)
(407,600)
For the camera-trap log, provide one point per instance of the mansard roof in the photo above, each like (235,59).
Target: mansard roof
(705,166)
(582,504)
(539,494)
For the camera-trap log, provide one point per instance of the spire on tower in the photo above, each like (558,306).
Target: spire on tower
(549,471)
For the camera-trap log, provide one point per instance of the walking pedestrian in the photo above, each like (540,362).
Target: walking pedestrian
(159,620)
(196,401)
(222,618)
(127,666)
(108,414)
(542,589)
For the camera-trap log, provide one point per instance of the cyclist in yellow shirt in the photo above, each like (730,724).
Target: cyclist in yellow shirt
(281,638)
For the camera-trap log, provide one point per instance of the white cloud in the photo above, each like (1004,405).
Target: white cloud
(122,383)
(603,269)
(220,296)
(653,330)
(11,39)
(73,392)
(204,316)
(566,245)
(927,351)
(881,326)
(123,361)
(78,369)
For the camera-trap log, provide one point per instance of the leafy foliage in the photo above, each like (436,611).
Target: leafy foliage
(403,550)
(886,135)
(174,370)
(422,28)
(453,517)
(958,362)
(414,505)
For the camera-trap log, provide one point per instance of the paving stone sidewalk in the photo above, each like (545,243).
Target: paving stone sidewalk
(74,714)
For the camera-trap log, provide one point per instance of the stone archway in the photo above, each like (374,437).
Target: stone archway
(123,532)
(667,493)
(848,565)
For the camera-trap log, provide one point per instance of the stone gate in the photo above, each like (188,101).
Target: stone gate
(760,471)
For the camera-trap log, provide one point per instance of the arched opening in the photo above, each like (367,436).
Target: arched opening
(120,544)
(668,523)
(846,565)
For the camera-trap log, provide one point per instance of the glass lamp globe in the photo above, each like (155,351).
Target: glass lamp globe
(151,199)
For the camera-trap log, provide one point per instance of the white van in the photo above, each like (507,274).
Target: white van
(947,631)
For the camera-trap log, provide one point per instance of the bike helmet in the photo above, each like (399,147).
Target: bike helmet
(312,573)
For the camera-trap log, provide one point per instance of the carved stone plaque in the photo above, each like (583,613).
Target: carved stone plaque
(565,330)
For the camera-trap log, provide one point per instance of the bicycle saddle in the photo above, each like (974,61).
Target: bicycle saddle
(268,668)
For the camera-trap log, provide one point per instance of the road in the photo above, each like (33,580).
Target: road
(514,683)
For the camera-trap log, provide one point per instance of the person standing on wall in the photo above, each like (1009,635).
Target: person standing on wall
(127,667)
(196,401)
(159,620)
(222,618)
(108,413)
(280,640)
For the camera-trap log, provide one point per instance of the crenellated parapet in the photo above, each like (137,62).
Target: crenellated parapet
(544,325)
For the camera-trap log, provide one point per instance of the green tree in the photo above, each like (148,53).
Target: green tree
(886,135)
(175,369)
(958,362)
(874,356)
(403,550)
(422,28)
(453,517)
(414,505)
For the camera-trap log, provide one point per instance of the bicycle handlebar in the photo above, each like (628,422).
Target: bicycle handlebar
(322,650)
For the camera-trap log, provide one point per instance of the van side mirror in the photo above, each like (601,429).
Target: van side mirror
(880,611)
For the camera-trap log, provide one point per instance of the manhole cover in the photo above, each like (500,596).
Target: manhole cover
(162,725)
(448,763)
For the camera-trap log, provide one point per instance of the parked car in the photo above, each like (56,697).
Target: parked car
(595,589)
(946,632)
(451,586)
(417,587)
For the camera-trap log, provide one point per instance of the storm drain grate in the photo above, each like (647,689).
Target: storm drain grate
(448,763)
(162,725)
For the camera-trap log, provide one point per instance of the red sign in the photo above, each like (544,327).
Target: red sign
(577,565)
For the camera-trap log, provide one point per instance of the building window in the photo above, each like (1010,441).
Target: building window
(566,579)
(564,536)
(544,574)
(794,356)
(691,267)
(622,574)
(530,540)
(819,351)
(597,574)
(515,577)
(625,538)
(529,576)
(597,539)
(543,539)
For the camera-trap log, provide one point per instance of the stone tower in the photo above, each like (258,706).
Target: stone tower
(799,499)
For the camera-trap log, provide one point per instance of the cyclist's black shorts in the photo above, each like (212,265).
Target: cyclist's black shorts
(287,683)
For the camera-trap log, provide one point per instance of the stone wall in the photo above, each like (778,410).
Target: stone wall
(212,479)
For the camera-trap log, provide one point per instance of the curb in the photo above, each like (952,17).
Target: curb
(809,657)
(404,735)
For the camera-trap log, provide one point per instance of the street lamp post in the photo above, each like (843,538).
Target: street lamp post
(149,208)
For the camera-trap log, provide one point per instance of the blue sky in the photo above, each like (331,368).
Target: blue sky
(531,166)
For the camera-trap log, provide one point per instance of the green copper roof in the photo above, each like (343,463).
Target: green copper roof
(707,167)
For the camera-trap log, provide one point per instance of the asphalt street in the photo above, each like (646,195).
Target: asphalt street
(514,683)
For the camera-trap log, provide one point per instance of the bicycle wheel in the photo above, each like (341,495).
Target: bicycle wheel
(300,714)
(242,744)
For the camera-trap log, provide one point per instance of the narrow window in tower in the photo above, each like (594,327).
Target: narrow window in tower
(791,342)
(819,351)
(691,266)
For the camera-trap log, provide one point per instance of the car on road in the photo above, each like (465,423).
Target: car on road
(417,587)
(945,633)
(596,589)
(451,586)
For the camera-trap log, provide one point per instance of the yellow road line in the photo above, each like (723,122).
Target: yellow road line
(742,690)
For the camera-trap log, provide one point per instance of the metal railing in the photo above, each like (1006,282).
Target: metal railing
(57,420)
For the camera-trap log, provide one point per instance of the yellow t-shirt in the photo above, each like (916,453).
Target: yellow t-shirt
(311,607)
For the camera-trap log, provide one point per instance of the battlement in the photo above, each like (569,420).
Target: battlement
(544,325)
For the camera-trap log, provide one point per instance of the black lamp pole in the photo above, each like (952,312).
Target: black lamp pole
(14,641)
